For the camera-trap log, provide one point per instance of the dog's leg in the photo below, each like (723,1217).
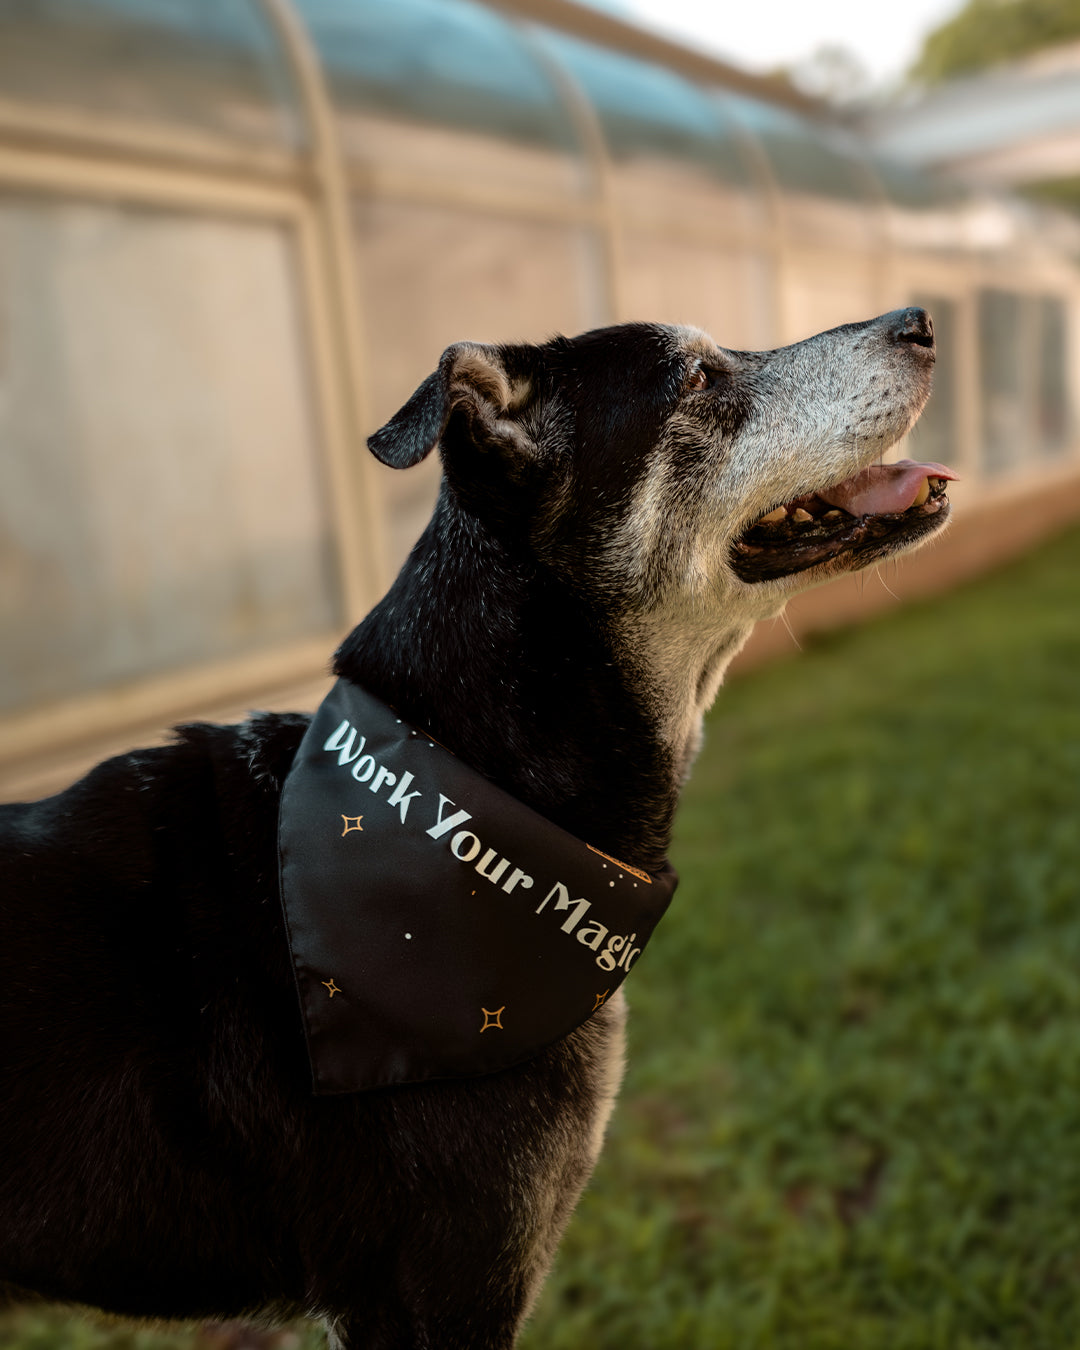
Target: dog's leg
(447,1314)
(443,1313)
(465,1329)
(466,1260)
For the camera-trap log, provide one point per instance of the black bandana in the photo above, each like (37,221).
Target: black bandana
(439,927)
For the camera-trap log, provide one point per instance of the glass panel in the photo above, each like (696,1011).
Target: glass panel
(448,90)
(728,292)
(204,65)
(822,290)
(160,503)
(675,148)
(828,185)
(1001,379)
(935,434)
(1052,390)
(804,157)
(910,188)
(925,212)
(483,278)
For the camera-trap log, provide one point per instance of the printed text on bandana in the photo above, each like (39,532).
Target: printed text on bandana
(445,823)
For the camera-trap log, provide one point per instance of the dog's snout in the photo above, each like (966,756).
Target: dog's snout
(912,325)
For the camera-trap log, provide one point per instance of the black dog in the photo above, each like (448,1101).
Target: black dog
(617,511)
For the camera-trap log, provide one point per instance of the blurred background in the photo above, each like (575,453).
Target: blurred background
(234,237)
(236,234)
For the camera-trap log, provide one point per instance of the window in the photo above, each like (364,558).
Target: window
(486,279)
(1051,392)
(1022,377)
(160,495)
(1001,383)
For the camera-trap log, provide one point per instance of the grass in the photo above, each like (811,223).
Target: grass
(852,1116)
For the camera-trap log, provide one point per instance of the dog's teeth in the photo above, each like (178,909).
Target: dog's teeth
(801,516)
(773,516)
(923,492)
(936,484)
(832,515)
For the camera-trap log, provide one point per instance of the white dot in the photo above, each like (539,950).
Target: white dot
(611,883)
(408,935)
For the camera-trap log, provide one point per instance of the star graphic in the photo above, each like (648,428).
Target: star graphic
(601,999)
(354,826)
(331,986)
(491,1019)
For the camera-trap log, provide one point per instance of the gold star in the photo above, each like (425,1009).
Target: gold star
(600,999)
(354,826)
(331,986)
(491,1019)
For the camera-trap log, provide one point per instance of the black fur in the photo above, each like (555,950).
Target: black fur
(162,1152)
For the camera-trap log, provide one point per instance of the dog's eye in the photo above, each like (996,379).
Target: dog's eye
(703,377)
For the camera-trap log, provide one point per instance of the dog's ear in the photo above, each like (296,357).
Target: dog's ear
(473,379)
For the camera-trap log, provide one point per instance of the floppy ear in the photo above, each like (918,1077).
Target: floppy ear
(472,378)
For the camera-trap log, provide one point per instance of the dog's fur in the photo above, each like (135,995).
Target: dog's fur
(562,625)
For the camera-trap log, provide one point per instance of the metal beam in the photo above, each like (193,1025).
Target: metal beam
(355,492)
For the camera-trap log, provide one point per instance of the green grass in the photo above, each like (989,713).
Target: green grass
(852,1116)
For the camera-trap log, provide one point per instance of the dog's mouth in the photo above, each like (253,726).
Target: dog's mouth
(876,512)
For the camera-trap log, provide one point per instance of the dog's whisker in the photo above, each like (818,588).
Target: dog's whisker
(878,573)
(791,631)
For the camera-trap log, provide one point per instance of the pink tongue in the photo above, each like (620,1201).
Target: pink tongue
(883,487)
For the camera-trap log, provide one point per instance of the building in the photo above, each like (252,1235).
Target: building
(234,237)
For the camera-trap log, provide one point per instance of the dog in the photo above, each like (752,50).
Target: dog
(616,512)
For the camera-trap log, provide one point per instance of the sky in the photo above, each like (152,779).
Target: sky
(760,35)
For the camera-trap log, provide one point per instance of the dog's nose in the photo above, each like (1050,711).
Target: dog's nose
(911,325)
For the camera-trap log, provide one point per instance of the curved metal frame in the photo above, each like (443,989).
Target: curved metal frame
(587,124)
(355,494)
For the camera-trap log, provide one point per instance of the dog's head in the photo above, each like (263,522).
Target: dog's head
(644,462)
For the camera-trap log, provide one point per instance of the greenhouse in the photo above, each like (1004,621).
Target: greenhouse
(236,234)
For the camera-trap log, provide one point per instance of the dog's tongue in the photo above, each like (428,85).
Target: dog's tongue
(883,488)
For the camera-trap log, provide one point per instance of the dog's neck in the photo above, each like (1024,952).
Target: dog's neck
(518,676)
(686,655)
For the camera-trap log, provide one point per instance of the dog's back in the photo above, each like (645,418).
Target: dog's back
(139,917)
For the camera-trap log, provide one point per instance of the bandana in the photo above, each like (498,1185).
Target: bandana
(439,928)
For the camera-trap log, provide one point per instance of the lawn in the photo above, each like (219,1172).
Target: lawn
(852,1116)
